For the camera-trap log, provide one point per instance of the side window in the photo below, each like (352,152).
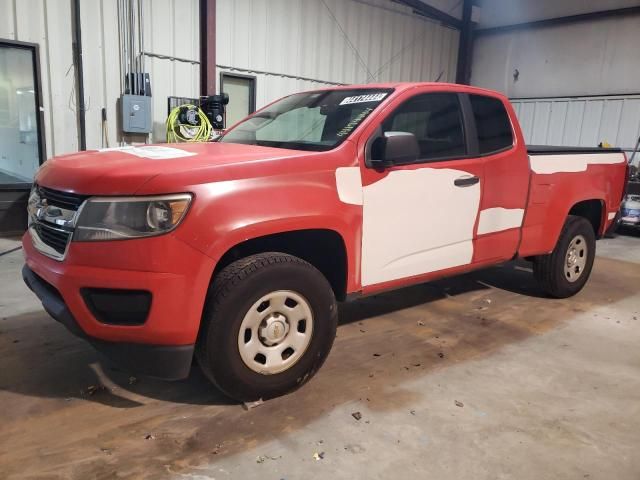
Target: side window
(436,121)
(492,123)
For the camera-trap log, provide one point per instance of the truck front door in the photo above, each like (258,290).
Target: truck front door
(420,217)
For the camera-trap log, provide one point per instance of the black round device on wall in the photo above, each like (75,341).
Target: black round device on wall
(213,108)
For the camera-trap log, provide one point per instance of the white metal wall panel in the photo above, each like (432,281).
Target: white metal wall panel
(557,121)
(293,45)
(495,13)
(582,121)
(597,57)
(101,62)
(575,118)
(171,28)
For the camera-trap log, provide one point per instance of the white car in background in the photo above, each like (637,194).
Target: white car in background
(630,212)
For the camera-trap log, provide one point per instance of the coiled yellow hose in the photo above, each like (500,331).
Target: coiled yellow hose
(184,132)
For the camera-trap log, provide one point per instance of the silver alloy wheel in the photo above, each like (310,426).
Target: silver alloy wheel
(576,259)
(275,332)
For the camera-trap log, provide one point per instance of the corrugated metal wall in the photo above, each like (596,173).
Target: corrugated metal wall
(171,29)
(297,44)
(294,45)
(497,13)
(584,121)
(598,57)
(574,84)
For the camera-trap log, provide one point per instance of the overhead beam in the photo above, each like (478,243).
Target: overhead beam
(434,13)
(207,47)
(549,22)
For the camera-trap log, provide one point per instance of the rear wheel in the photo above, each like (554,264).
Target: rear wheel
(565,271)
(268,326)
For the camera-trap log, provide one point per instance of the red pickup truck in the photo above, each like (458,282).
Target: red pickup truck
(236,251)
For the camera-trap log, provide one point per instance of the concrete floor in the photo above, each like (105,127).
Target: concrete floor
(473,377)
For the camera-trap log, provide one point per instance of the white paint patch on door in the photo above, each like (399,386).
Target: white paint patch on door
(349,185)
(154,152)
(415,222)
(546,164)
(498,219)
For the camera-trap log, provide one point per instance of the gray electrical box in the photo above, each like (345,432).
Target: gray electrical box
(136,114)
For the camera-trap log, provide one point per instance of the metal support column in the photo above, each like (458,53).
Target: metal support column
(465,48)
(77,60)
(207,47)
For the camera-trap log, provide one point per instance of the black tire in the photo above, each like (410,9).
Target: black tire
(549,270)
(233,292)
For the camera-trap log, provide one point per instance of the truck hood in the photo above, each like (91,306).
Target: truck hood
(124,170)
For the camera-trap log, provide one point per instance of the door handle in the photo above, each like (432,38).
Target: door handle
(466,181)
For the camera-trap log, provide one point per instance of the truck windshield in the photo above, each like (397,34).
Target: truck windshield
(317,121)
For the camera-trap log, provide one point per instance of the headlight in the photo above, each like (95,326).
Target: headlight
(109,218)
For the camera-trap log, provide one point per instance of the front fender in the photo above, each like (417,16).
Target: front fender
(227,213)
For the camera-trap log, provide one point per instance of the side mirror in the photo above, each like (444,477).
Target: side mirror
(394,148)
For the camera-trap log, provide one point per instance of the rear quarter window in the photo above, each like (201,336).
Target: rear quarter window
(492,123)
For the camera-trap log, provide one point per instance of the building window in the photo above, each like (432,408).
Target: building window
(21,144)
(242,96)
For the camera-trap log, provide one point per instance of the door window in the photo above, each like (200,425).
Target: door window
(492,124)
(436,121)
(19,125)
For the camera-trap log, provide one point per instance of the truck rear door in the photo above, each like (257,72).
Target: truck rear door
(501,147)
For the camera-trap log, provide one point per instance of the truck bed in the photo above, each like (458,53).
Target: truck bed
(556,150)
(563,177)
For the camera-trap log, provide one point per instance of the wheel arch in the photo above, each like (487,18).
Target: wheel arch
(323,248)
(592,210)
(543,227)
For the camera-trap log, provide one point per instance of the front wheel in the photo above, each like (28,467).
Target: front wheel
(564,271)
(268,326)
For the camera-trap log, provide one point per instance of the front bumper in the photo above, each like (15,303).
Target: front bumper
(169,362)
(176,275)
(631,221)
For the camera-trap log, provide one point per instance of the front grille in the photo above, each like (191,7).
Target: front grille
(54,237)
(52,216)
(70,201)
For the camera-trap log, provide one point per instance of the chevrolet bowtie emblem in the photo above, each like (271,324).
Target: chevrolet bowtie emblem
(41,208)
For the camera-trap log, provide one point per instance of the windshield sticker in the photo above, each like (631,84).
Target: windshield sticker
(151,151)
(346,130)
(372,97)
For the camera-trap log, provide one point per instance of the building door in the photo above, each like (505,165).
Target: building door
(21,139)
(242,96)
